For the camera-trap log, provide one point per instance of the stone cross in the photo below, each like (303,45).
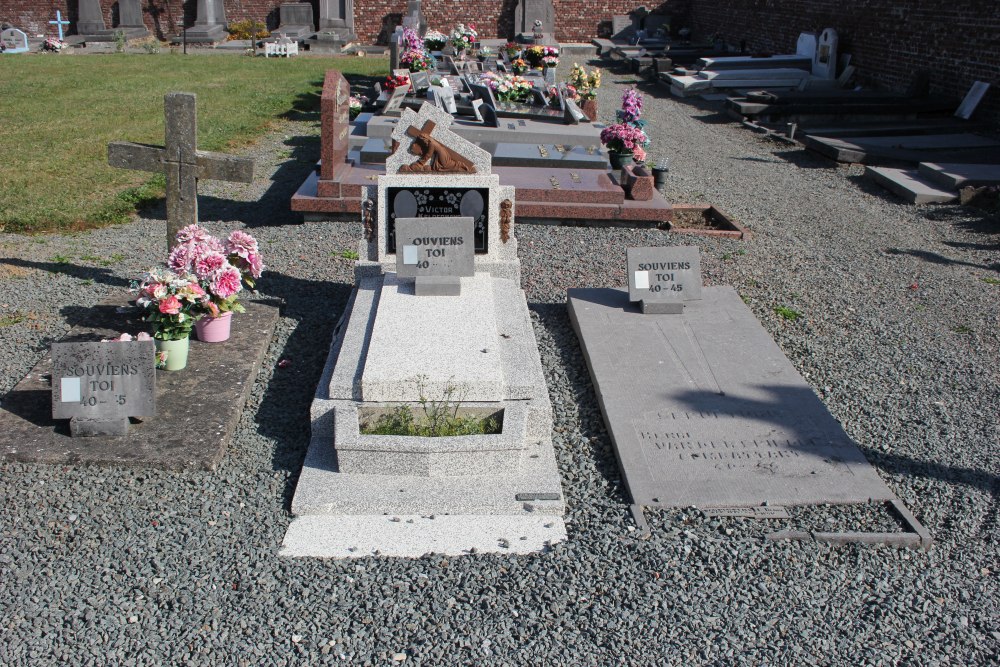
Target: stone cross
(59,23)
(181,161)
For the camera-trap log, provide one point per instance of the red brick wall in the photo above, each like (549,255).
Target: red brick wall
(958,41)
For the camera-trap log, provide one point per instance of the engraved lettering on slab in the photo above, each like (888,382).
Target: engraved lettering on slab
(104,381)
(575,176)
(663,275)
(435,247)
(768,512)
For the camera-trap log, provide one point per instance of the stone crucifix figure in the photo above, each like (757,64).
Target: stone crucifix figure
(181,161)
(434,156)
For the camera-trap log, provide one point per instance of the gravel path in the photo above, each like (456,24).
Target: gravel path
(898,335)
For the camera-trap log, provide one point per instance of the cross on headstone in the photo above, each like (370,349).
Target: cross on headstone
(181,161)
(59,23)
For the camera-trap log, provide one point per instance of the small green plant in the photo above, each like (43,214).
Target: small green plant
(120,41)
(12,319)
(440,419)
(991,281)
(787,313)
(348,254)
(60,259)
(962,329)
(151,46)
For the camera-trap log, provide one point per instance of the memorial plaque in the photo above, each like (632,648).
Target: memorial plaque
(420,81)
(103,381)
(662,278)
(435,247)
(439,202)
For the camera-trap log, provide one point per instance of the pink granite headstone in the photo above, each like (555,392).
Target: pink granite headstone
(335,123)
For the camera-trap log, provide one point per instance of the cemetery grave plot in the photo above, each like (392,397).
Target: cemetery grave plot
(457,332)
(704,409)
(196,410)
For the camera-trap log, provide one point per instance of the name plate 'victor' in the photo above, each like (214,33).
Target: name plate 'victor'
(103,382)
(436,202)
(434,247)
(662,278)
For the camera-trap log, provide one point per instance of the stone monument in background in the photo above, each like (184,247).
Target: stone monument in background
(337,17)
(525,15)
(210,24)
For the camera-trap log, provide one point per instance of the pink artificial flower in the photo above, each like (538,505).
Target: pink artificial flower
(639,153)
(207,264)
(240,243)
(192,233)
(170,306)
(180,257)
(142,335)
(226,282)
(256,265)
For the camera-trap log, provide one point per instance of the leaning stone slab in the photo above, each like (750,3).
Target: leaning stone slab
(197,409)
(704,409)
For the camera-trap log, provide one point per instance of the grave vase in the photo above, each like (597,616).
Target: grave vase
(176,353)
(589,108)
(214,329)
(619,160)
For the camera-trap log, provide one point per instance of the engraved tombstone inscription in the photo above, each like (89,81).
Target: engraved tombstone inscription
(662,278)
(430,202)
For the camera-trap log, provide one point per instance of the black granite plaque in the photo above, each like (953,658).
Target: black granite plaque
(425,202)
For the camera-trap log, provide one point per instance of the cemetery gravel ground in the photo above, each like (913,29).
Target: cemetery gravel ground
(898,335)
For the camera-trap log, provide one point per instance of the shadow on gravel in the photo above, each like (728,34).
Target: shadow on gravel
(805,159)
(307,104)
(935,258)
(554,318)
(283,416)
(967,218)
(98,275)
(273,209)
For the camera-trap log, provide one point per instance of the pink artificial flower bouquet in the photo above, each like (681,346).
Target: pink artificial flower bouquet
(220,267)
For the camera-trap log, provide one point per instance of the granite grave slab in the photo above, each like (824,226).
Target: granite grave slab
(184,434)
(704,409)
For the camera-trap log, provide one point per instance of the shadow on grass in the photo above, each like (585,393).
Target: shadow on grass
(96,274)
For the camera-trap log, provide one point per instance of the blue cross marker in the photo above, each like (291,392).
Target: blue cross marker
(59,23)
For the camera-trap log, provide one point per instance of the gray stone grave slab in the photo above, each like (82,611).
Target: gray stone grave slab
(547,155)
(972,100)
(130,14)
(704,409)
(663,278)
(532,131)
(420,81)
(186,433)
(103,384)
(209,24)
(296,20)
(90,19)
(436,252)
(336,18)
(393,106)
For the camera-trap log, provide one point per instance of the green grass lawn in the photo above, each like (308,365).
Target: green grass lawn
(58,114)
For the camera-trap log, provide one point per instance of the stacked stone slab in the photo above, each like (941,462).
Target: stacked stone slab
(210,24)
(406,496)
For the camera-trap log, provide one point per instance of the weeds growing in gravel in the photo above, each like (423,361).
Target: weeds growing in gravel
(12,319)
(787,313)
(348,254)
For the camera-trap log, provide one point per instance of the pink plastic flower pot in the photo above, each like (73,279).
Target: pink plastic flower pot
(214,329)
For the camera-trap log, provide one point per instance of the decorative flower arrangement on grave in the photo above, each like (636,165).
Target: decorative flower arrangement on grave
(411,40)
(392,82)
(626,138)
(542,56)
(53,44)
(586,85)
(508,87)
(221,268)
(485,52)
(464,36)
(415,60)
(513,49)
(172,302)
(552,95)
(519,65)
(355,104)
(434,40)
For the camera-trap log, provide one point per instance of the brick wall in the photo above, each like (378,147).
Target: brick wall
(958,41)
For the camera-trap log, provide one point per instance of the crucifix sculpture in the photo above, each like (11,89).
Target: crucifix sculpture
(434,156)
(181,161)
